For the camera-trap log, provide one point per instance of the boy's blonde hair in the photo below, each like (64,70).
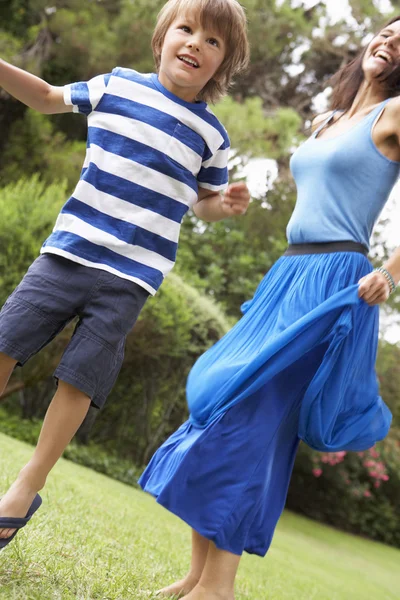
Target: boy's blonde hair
(227,18)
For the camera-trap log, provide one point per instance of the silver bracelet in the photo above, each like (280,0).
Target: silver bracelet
(388,277)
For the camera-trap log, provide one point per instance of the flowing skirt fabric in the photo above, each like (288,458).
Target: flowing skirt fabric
(300,364)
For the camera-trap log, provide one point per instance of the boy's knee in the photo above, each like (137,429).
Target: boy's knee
(7,365)
(6,362)
(71,391)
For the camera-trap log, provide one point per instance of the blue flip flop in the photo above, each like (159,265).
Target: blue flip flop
(18,523)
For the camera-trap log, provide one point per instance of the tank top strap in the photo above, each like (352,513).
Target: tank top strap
(324,123)
(375,114)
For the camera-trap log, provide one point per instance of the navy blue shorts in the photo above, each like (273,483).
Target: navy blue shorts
(52,293)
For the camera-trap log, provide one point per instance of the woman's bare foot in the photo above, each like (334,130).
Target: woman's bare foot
(200,592)
(179,588)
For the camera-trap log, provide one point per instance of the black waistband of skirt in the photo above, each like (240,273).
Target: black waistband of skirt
(326,247)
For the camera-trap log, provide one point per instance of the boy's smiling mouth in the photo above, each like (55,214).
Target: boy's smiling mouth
(189,60)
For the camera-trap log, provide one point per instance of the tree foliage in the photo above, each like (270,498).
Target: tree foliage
(28,210)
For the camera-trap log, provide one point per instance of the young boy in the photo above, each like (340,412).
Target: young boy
(154,151)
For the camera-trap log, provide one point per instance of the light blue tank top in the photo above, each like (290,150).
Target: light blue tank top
(342,184)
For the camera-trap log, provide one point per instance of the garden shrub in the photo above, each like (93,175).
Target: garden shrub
(355,491)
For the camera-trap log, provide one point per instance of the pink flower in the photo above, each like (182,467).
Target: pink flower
(367,494)
(317,472)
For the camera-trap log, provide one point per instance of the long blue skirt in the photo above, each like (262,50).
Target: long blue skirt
(300,364)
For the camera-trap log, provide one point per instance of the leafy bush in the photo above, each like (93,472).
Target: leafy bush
(26,430)
(91,456)
(148,401)
(35,143)
(357,492)
(28,211)
(94,457)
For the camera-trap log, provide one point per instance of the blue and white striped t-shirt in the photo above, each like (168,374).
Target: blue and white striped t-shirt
(148,151)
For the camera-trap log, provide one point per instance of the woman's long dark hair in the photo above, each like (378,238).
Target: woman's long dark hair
(347,81)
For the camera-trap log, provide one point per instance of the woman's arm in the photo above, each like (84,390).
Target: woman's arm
(31,90)
(375,287)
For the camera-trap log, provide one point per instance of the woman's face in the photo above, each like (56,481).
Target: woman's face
(383,53)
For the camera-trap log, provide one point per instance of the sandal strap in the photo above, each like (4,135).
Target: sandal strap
(20,522)
(13,522)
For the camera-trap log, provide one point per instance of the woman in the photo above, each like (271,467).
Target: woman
(300,363)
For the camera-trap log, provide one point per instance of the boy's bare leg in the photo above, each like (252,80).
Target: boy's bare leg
(218,577)
(7,365)
(63,418)
(200,547)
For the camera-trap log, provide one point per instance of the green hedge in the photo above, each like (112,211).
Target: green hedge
(148,402)
(28,211)
(92,456)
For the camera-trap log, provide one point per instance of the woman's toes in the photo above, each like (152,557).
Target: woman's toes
(177,589)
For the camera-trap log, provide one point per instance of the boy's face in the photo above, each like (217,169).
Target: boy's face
(190,57)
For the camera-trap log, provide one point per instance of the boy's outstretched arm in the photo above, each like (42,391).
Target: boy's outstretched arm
(31,90)
(213,206)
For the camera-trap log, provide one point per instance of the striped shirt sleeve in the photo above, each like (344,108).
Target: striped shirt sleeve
(84,96)
(213,174)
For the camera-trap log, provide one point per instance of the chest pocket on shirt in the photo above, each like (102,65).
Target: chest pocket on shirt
(186,147)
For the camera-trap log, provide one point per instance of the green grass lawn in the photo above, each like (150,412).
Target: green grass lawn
(97,539)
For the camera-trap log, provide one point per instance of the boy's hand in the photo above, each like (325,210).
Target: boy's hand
(212,206)
(236,199)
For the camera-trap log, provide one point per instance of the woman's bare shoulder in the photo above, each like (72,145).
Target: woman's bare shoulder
(391,117)
(394,106)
